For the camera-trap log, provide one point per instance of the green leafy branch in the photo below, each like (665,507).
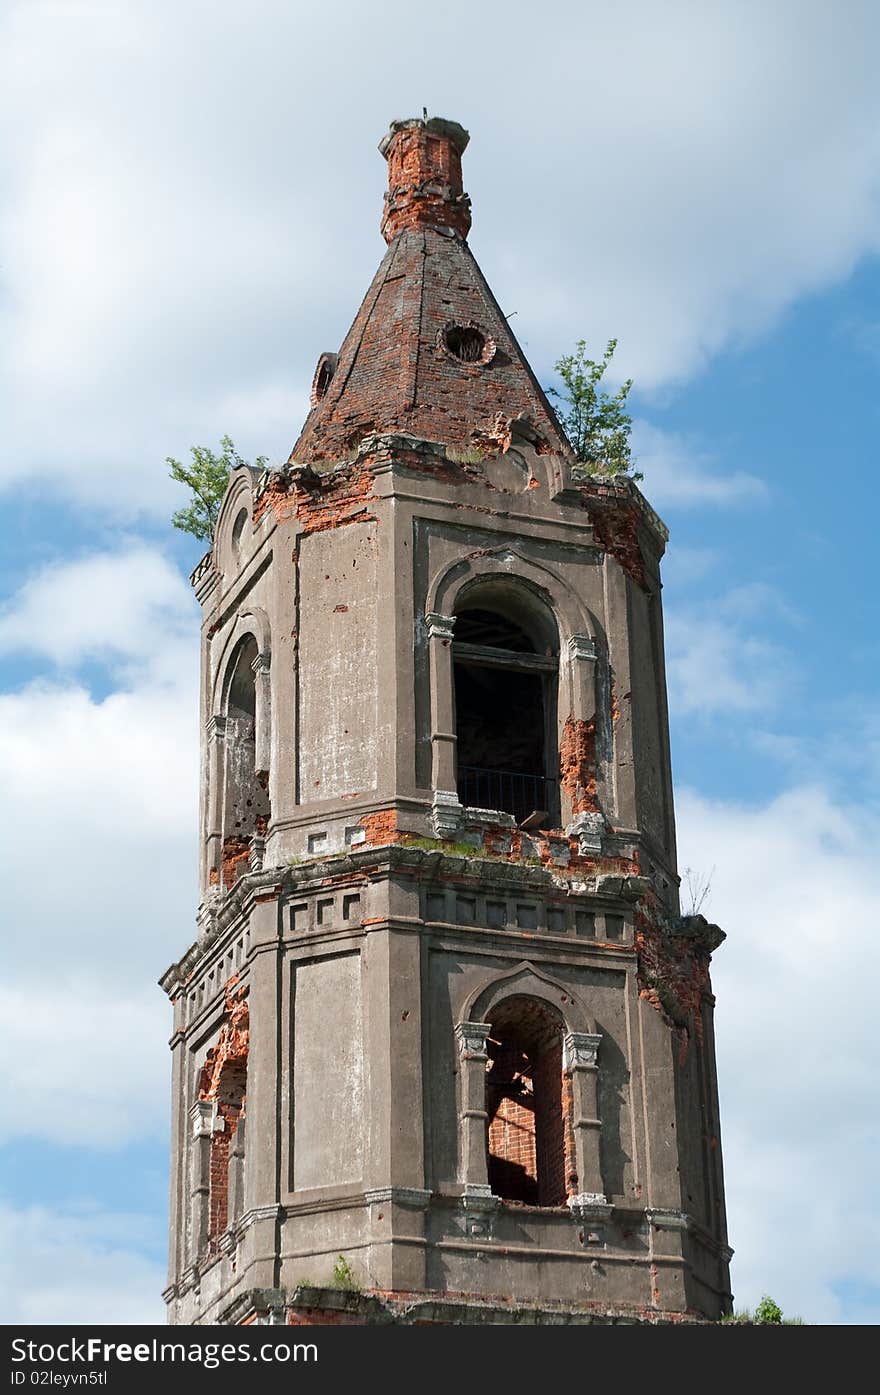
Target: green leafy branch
(206,478)
(597,424)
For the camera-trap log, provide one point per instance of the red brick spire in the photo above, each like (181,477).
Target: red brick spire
(424,177)
(430,353)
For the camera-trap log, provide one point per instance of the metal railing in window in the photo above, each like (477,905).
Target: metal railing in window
(510,791)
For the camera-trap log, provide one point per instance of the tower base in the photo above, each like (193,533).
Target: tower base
(332,1307)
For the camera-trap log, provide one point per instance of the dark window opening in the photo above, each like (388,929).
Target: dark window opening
(506,674)
(496,631)
(323,377)
(500,726)
(246,798)
(530,1157)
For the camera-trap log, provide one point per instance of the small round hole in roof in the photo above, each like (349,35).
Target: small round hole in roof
(467,343)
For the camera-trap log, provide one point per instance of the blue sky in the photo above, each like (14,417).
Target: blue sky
(185,227)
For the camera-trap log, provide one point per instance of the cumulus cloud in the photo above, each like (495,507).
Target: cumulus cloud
(77,1267)
(717,666)
(794,888)
(679,473)
(91,1060)
(184,228)
(100,845)
(130,605)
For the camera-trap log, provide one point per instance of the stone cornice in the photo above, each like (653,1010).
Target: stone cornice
(229,908)
(615,488)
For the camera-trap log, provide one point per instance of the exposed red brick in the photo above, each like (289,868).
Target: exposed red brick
(513,1163)
(230,1109)
(513,845)
(232,1044)
(550,1127)
(404,1307)
(616,526)
(380,827)
(424,177)
(577,764)
(320,501)
(398,369)
(324,1317)
(235,858)
(673,974)
(224,1080)
(529,1122)
(498,437)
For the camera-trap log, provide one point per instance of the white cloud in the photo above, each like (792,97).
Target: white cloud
(100,882)
(131,604)
(185,229)
(719,658)
(100,876)
(91,1064)
(794,887)
(716,665)
(679,473)
(68,1267)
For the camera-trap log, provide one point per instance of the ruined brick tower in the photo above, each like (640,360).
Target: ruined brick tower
(442,1018)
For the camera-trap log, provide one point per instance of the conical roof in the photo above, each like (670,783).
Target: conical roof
(430,353)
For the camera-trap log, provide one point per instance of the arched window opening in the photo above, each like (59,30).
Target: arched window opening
(246,797)
(238,528)
(219,1140)
(505,654)
(227,1151)
(531,1156)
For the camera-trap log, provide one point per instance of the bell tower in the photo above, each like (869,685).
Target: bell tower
(443,1035)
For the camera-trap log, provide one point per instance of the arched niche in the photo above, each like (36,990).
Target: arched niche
(527,980)
(245,780)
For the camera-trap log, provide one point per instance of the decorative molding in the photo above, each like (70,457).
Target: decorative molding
(590,1208)
(202,1118)
(589,828)
(446,814)
(439,626)
(662,1219)
(228,1242)
(582,647)
(215,726)
(205,579)
(258,1213)
(207,918)
(480,1208)
(472,1038)
(398,1196)
(580,1050)
(261,664)
(487,818)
